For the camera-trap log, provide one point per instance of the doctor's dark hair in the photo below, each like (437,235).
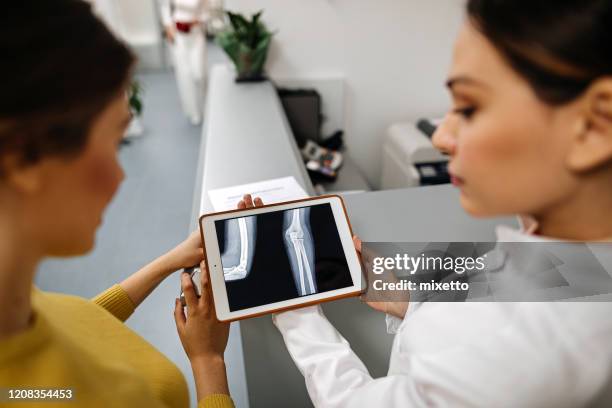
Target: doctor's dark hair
(60,67)
(559,46)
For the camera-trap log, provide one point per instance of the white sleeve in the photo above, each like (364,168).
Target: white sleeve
(335,376)
(476,374)
(393,323)
(165,12)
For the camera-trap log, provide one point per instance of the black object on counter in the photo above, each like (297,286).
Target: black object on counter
(425,126)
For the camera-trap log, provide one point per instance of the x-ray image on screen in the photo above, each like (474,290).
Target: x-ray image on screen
(237,258)
(282,255)
(300,249)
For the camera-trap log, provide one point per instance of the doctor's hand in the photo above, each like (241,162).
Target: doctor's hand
(248,202)
(204,338)
(395,308)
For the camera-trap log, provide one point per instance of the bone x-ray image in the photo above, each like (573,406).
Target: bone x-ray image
(278,256)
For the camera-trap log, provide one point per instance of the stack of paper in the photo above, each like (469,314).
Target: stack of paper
(270,191)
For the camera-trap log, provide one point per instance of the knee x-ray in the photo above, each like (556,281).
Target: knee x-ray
(281,255)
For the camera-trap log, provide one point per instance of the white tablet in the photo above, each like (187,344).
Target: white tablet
(280,256)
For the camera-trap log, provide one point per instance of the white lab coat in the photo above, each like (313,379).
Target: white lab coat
(464,354)
(188,53)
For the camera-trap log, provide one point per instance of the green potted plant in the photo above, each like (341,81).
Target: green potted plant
(246,42)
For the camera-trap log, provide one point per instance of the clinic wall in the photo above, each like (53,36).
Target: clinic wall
(393,54)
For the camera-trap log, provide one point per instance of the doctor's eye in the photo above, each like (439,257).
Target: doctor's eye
(466,112)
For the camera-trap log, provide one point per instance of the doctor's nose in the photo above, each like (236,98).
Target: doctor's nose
(445,136)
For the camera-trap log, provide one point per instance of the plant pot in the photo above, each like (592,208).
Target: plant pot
(250,63)
(251,77)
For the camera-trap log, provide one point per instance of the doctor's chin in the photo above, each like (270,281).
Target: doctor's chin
(330,204)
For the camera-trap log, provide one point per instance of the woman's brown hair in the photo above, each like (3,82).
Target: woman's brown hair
(60,68)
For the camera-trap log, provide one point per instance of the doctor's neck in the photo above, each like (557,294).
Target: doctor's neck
(584,216)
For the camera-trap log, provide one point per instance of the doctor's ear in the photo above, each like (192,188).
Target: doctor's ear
(592,142)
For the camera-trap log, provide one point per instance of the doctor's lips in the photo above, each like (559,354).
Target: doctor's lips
(456,180)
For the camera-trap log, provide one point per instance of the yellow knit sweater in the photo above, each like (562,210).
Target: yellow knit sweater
(83,345)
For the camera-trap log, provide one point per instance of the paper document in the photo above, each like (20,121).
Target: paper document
(270,191)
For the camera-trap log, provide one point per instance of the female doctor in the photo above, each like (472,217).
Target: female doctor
(529,134)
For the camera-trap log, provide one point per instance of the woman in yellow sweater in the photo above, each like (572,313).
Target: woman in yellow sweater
(63,112)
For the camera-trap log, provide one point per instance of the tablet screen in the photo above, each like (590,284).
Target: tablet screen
(282,255)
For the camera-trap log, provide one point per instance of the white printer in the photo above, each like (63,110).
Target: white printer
(410,159)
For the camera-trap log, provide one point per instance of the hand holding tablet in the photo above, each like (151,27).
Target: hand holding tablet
(269,258)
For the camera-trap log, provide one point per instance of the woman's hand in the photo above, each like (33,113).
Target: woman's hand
(186,254)
(202,335)
(397,309)
(204,338)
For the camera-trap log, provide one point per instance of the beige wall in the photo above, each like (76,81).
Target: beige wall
(394,55)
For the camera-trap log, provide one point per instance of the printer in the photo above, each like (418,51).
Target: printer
(409,157)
